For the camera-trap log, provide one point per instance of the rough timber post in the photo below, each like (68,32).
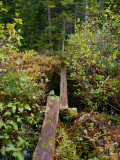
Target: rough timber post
(63,90)
(46,143)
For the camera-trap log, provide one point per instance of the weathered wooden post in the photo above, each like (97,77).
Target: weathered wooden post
(63,90)
(46,144)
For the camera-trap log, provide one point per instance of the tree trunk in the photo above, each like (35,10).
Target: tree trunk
(76,16)
(86,10)
(63,42)
(99,8)
(49,29)
(27,34)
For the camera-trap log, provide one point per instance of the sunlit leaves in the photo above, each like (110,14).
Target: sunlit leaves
(52,93)
(3,150)
(1,124)
(20,142)
(65,2)
(20,109)
(14,124)
(9,37)
(19,155)
(10,147)
(27,107)
(7,113)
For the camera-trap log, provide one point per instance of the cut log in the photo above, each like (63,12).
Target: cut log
(46,143)
(63,90)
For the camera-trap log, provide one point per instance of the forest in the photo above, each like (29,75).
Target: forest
(44,43)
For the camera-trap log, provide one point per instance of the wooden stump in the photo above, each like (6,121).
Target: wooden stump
(46,143)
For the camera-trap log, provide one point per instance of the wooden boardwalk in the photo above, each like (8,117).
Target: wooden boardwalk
(46,144)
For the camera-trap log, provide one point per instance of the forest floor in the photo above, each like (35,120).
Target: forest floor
(92,136)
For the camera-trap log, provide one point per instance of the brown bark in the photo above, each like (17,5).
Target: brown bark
(63,42)
(86,10)
(46,143)
(76,17)
(49,25)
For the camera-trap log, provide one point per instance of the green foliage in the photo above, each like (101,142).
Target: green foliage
(35,19)
(9,35)
(117,120)
(15,85)
(16,128)
(35,28)
(66,148)
(20,96)
(93,59)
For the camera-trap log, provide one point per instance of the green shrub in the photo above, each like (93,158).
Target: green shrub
(15,85)
(16,128)
(93,59)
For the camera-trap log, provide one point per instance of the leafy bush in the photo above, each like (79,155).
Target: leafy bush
(10,38)
(16,128)
(20,96)
(39,67)
(93,59)
(15,85)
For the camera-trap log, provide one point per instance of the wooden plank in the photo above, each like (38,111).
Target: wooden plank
(63,90)
(46,143)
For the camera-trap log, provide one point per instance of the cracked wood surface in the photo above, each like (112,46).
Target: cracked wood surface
(46,143)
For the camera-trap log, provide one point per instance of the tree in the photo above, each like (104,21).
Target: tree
(86,10)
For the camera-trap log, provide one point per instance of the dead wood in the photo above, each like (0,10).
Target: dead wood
(63,90)
(46,143)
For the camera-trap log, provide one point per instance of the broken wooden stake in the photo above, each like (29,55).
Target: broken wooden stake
(46,143)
